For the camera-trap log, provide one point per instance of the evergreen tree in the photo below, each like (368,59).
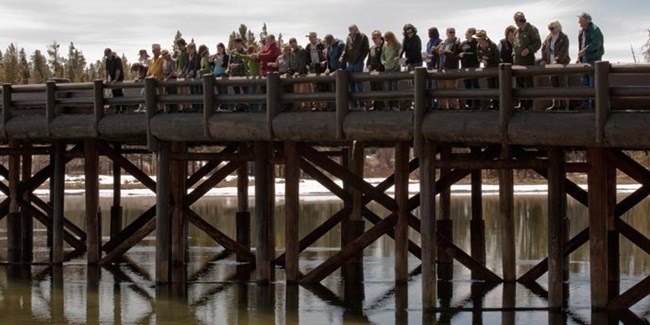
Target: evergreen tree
(40,71)
(24,67)
(126,68)
(56,61)
(2,72)
(11,66)
(75,64)
(175,48)
(646,48)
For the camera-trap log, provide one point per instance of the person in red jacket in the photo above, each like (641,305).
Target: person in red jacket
(268,54)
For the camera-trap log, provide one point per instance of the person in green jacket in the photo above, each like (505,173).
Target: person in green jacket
(526,43)
(591,49)
(490,56)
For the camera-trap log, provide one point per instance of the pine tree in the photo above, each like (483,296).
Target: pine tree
(126,68)
(75,64)
(24,67)
(247,36)
(175,48)
(11,66)
(646,48)
(56,61)
(40,71)
(2,72)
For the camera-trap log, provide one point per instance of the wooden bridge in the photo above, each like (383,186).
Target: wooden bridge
(69,120)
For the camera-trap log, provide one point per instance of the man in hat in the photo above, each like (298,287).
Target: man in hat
(526,43)
(356,50)
(155,67)
(317,63)
(490,56)
(590,46)
(113,73)
(469,60)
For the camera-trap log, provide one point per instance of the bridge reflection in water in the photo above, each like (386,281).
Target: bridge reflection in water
(69,121)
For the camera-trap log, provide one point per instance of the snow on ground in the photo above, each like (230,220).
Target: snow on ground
(310,189)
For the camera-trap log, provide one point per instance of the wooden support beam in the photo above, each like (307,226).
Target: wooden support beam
(218,236)
(243,215)
(43,218)
(457,253)
(208,102)
(630,297)
(292,208)
(402,151)
(178,222)
(273,104)
(128,166)
(27,232)
(342,100)
(506,202)
(556,220)
(91,183)
(163,213)
(420,103)
(116,209)
(6,107)
(264,210)
(445,225)
(130,230)
(413,248)
(477,224)
(14,228)
(602,196)
(603,102)
(428,225)
(123,246)
(353,226)
(48,209)
(211,182)
(506,99)
(58,188)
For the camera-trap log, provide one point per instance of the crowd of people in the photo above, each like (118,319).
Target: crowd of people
(383,52)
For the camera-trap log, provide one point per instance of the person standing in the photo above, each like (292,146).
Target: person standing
(555,50)
(389,58)
(489,54)
(114,73)
(411,47)
(155,66)
(355,53)
(268,54)
(374,65)
(191,73)
(298,68)
(505,45)
(432,60)
(317,62)
(335,48)
(591,49)
(448,53)
(526,43)
(469,60)
(238,69)
(169,74)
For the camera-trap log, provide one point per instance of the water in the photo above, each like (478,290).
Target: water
(126,294)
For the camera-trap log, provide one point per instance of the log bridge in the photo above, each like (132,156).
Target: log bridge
(74,120)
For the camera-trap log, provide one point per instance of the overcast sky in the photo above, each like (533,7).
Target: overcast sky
(128,25)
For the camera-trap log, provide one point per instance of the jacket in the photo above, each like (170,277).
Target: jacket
(356,48)
(489,54)
(449,57)
(412,50)
(527,38)
(469,50)
(561,51)
(593,44)
(320,49)
(269,53)
(374,58)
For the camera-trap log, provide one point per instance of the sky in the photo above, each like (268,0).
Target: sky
(127,25)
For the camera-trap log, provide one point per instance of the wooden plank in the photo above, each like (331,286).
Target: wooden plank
(506,203)
(43,218)
(402,151)
(210,166)
(208,102)
(556,219)
(600,210)
(98,104)
(50,210)
(58,199)
(91,183)
(273,104)
(420,103)
(218,236)
(163,213)
(445,225)
(292,210)
(322,179)
(413,248)
(243,215)
(331,264)
(428,225)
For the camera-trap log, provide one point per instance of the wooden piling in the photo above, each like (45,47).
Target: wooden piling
(292,208)
(402,151)
(264,206)
(445,225)
(14,229)
(27,221)
(353,226)
(477,224)
(243,216)
(506,202)
(556,216)
(428,225)
(163,213)
(602,201)
(178,222)
(58,188)
(91,183)
(116,209)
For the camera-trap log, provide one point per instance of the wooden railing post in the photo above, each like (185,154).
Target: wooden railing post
(506,105)
(601,87)
(50,103)
(273,95)
(98,90)
(151,104)
(342,100)
(208,102)
(420,100)
(6,107)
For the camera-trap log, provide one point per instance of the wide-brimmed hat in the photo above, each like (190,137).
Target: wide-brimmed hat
(480,34)
(164,53)
(143,51)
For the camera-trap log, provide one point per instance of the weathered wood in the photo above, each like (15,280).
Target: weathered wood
(58,187)
(98,102)
(342,100)
(151,105)
(91,183)
(455,252)
(413,248)
(402,151)
(243,215)
(130,230)
(163,213)
(292,208)
(631,296)
(420,102)
(385,126)
(116,209)
(209,183)
(273,104)
(477,224)
(46,220)
(428,225)
(445,225)
(123,246)
(6,107)
(506,203)
(601,85)
(633,235)
(14,224)
(601,210)
(556,219)
(50,211)
(264,207)
(27,229)
(129,167)
(50,104)
(218,236)
(178,222)
(506,101)
(208,102)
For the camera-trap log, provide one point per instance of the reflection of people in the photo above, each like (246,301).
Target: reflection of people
(590,46)
(555,50)
(114,73)
(524,46)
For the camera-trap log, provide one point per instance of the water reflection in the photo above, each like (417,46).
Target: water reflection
(219,291)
